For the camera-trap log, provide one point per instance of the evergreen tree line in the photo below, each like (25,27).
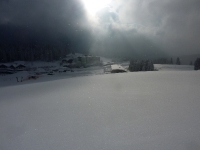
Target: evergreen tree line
(144,65)
(9,53)
(167,61)
(197,64)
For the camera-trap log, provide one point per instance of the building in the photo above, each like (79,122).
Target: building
(2,66)
(12,67)
(20,66)
(77,60)
(4,69)
(117,69)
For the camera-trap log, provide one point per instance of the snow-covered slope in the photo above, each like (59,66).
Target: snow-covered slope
(133,111)
(165,67)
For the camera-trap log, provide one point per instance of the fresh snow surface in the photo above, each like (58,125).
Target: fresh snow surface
(156,110)
(164,67)
(8,80)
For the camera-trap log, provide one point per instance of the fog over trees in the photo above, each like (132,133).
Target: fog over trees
(133,29)
(9,53)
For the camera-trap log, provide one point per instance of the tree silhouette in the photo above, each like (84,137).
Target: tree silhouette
(171,61)
(178,62)
(197,64)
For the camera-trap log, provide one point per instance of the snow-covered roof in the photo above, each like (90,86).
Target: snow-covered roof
(4,65)
(12,64)
(117,67)
(75,55)
(20,65)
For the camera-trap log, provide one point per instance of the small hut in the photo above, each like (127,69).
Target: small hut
(117,69)
(20,66)
(2,66)
(12,67)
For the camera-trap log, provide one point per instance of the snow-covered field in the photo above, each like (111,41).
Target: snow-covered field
(162,67)
(156,110)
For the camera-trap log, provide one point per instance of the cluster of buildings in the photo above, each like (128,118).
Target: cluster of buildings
(12,68)
(72,60)
(76,60)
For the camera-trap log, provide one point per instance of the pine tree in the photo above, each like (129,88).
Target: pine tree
(197,64)
(150,66)
(171,61)
(178,62)
(146,65)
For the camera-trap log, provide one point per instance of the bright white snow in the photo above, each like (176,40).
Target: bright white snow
(133,111)
(117,68)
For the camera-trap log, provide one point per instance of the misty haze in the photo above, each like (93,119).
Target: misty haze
(99,74)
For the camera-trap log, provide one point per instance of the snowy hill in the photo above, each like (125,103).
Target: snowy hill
(132,111)
(7,80)
(165,67)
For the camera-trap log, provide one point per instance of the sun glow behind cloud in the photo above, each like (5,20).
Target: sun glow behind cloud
(93,6)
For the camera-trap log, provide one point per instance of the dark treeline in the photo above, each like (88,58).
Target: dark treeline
(15,52)
(197,64)
(30,44)
(163,61)
(144,65)
(167,61)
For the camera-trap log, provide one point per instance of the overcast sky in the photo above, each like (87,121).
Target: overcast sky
(123,27)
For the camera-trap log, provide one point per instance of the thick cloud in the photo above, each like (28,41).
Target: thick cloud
(141,28)
(59,21)
(173,24)
(45,13)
